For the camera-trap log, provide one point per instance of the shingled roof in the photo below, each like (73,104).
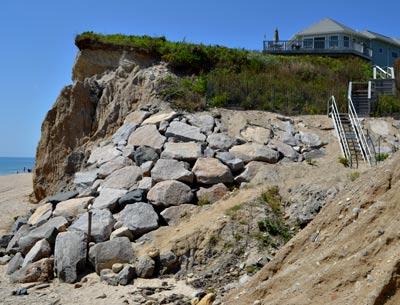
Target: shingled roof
(327,26)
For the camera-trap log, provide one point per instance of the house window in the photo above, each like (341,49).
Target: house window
(307,43)
(334,41)
(319,43)
(395,55)
(346,41)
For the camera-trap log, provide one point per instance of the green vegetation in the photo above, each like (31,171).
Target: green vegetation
(233,210)
(275,227)
(353,176)
(387,105)
(381,157)
(344,161)
(273,199)
(311,162)
(204,200)
(215,76)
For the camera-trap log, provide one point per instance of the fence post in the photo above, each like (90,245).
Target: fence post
(89,232)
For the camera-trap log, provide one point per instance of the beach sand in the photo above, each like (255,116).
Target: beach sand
(14,198)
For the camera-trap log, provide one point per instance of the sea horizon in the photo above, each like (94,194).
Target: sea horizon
(16,165)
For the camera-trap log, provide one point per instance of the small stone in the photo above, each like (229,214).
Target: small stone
(117,267)
(220,141)
(146,168)
(146,183)
(20,291)
(15,263)
(108,276)
(5,259)
(126,275)
(145,267)
(122,232)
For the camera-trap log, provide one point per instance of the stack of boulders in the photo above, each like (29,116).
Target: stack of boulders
(158,167)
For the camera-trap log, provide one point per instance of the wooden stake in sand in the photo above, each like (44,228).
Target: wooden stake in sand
(89,232)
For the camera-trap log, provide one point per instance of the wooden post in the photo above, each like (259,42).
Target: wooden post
(89,231)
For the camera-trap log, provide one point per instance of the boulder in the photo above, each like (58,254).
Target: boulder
(122,134)
(5,240)
(144,267)
(85,179)
(21,220)
(139,218)
(146,168)
(169,262)
(112,166)
(102,224)
(70,255)
(144,154)
(136,117)
(169,169)
(204,121)
(212,194)
(189,151)
(146,184)
(109,277)
(122,232)
(235,164)
(314,154)
(72,207)
(13,246)
(175,214)
(40,271)
(48,231)
(62,196)
(209,152)
(123,178)
(159,117)
(40,250)
(184,132)
(147,135)
(251,170)
(289,139)
(220,141)
(15,263)
(286,150)
(108,198)
(310,139)
(126,275)
(256,134)
(255,152)
(211,171)
(170,192)
(131,197)
(41,214)
(100,155)
(104,255)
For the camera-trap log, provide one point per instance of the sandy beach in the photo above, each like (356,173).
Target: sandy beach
(14,198)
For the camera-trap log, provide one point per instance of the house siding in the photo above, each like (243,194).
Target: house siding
(384,58)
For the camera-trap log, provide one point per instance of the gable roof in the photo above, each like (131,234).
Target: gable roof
(327,26)
(373,35)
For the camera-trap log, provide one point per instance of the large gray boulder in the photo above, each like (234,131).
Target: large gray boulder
(126,275)
(72,207)
(255,152)
(220,141)
(204,121)
(235,164)
(189,151)
(160,117)
(136,195)
(48,231)
(123,133)
(123,178)
(15,263)
(41,214)
(70,255)
(136,117)
(310,139)
(211,171)
(169,169)
(111,166)
(147,135)
(184,132)
(170,192)
(108,198)
(100,155)
(105,254)
(62,196)
(145,267)
(102,224)
(212,194)
(85,179)
(40,250)
(174,214)
(286,150)
(13,246)
(144,154)
(256,134)
(139,218)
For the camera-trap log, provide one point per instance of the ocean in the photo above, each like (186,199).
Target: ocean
(11,165)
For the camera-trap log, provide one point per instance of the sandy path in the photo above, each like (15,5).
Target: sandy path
(14,192)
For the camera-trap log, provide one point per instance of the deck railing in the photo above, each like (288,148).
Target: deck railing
(305,46)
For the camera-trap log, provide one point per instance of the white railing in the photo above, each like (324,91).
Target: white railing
(333,112)
(383,73)
(359,133)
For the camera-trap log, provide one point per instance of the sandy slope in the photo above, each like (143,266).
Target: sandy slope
(14,192)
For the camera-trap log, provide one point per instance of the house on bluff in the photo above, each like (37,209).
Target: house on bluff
(331,38)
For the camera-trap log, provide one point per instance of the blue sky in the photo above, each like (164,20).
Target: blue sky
(37,50)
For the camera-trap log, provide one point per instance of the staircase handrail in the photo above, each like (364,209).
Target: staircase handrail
(337,124)
(360,136)
(387,73)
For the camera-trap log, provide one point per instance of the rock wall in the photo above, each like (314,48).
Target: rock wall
(107,85)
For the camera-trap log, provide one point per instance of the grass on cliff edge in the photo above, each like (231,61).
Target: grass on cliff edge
(216,76)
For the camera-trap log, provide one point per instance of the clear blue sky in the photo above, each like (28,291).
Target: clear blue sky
(37,50)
